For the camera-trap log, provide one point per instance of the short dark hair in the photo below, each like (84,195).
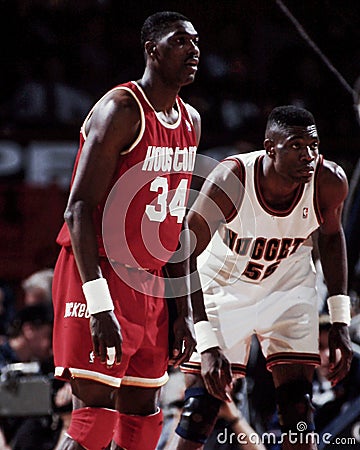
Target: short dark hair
(156,25)
(289,115)
(36,315)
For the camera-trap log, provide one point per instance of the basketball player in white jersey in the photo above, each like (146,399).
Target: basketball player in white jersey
(252,225)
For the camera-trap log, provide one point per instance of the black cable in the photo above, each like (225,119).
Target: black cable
(316,49)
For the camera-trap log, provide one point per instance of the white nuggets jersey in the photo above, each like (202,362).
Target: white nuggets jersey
(260,245)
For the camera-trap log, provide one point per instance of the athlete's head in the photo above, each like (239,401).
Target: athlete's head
(171,47)
(286,116)
(158,24)
(292,142)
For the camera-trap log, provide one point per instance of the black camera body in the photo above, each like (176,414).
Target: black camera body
(24,391)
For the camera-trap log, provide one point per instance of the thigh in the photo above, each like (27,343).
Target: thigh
(137,400)
(193,381)
(288,328)
(147,367)
(285,373)
(93,394)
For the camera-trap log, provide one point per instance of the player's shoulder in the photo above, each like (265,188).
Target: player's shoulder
(193,112)
(117,104)
(194,116)
(227,171)
(332,183)
(120,97)
(332,173)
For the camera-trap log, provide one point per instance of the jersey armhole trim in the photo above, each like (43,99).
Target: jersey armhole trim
(242,178)
(185,105)
(318,169)
(142,123)
(142,117)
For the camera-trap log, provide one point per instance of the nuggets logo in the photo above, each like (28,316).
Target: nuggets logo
(305,213)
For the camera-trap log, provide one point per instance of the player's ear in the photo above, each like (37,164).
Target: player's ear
(269,147)
(150,48)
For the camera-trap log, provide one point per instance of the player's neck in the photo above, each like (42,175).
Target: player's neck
(161,96)
(277,190)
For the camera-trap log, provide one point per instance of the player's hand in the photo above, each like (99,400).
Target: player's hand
(216,373)
(106,337)
(339,339)
(184,341)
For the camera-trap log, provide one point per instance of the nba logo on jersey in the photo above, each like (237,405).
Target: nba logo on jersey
(305,213)
(188,125)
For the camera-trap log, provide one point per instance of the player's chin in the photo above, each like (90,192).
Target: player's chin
(186,75)
(303,179)
(188,79)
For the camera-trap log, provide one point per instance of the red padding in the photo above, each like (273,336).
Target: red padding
(93,428)
(138,432)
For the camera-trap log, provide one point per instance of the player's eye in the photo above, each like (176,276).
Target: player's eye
(195,41)
(181,41)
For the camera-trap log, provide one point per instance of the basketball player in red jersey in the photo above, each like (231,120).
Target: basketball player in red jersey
(122,225)
(253,222)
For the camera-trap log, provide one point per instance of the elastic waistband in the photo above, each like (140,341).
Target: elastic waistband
(114,262)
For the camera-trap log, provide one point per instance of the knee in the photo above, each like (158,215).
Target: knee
(135,432)
(198,416)
(92,427)
(294,406)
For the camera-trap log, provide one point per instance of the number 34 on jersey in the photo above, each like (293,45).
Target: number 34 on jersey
(176,206)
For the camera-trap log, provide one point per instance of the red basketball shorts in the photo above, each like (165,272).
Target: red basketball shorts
(143,319)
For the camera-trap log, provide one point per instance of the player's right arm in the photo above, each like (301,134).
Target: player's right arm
(111,128)
(219,195)
(332,192)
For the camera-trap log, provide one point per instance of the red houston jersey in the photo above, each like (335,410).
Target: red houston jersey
(139,220)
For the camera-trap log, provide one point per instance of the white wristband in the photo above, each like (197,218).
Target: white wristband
(205,336)
(97,296)
(339,309)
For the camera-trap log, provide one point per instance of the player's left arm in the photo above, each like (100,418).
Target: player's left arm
(332,192)
(178,271)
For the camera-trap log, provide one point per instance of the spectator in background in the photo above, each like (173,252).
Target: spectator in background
(29,340)
(38,291)
(37,287)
